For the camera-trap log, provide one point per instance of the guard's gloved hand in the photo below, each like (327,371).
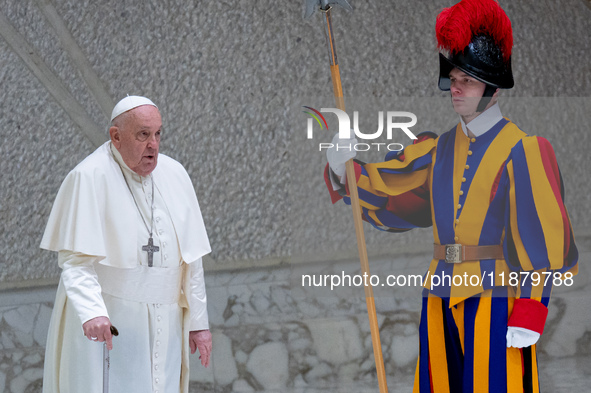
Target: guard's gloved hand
(338,157)
(202,340)
(521,337)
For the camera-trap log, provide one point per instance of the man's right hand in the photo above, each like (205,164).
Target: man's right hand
(338,157)
(99,329)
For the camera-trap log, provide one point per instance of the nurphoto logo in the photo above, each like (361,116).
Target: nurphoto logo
(392,123)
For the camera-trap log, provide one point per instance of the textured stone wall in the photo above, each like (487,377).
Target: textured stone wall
(230,79)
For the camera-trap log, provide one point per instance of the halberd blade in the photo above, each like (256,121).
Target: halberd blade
(310,6)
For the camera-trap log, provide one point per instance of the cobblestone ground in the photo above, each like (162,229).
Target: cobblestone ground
(559,375)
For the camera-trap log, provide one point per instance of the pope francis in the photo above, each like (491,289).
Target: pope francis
(130,237)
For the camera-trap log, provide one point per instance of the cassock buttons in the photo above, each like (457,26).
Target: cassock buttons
(459,206)
(157,342)
(161,231)
(456,238)
(457,221)
(467,166)
(469,152)
(157,219)
(159,331)
(156,355)
(155,367)
(463,179)
(165,256)
(157,380)
(461,192)
(159,318)
(473,140)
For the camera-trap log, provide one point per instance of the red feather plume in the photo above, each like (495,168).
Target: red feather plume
(456,25)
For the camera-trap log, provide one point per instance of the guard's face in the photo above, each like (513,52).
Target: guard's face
(138,139)
(466,92)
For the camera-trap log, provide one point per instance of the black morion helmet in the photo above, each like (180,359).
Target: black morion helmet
(478,36)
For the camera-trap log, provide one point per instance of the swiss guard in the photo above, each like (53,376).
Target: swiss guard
(495,199)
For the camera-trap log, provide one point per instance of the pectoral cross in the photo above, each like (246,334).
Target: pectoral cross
(150,248)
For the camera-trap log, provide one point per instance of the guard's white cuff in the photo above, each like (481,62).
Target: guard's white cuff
(335,181)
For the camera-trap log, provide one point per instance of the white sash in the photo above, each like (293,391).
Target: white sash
(141,284)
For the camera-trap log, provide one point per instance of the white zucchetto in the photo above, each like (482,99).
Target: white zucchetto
(128,103)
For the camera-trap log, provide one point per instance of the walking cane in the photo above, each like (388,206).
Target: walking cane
(107,361)
(325,7)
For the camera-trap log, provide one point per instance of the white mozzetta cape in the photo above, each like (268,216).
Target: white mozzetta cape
(94,212)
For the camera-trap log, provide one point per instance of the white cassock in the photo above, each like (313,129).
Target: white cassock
(99,233)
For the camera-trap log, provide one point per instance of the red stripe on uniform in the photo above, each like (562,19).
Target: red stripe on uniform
(553,175)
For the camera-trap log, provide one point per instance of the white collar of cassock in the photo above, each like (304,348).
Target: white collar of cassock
(122,164)
(483,122)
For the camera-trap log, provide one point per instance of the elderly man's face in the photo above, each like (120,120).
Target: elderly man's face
(137,137)
(466,92)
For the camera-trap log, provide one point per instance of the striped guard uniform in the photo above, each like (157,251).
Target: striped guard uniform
(500,188)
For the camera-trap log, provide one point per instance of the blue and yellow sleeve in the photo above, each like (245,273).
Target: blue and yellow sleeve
(394,194)
(538,233)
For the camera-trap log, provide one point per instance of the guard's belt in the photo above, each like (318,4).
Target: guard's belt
(457,253)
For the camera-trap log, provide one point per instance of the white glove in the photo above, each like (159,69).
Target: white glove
(520,337)
(337,157)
